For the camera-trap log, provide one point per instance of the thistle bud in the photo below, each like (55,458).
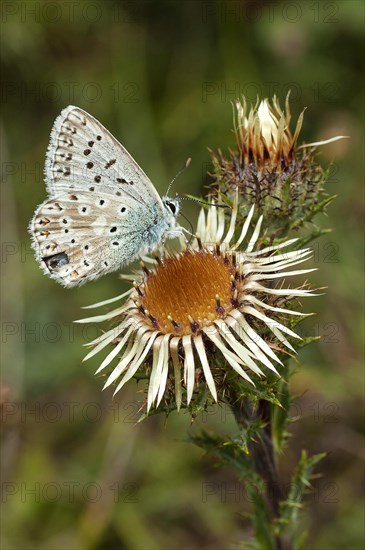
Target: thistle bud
(282,180)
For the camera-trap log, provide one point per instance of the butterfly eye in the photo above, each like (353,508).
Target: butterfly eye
(171,206)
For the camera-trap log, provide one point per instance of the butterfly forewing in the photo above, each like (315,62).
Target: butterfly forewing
(83,155)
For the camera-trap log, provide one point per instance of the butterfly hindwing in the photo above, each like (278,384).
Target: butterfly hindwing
(80,236)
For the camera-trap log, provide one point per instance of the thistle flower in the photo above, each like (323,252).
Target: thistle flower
(280,178)
(263,133)
(208,309)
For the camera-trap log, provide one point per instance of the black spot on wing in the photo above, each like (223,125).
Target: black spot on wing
(56,261)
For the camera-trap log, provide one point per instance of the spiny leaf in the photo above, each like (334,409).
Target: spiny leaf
(299,485)
(280,416)
(316,208)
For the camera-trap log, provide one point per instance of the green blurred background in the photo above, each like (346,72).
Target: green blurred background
(77,472)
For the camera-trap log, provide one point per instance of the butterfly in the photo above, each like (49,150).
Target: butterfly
(102,211)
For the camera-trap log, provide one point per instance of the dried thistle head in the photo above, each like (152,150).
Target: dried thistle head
(270,170)
(263,133)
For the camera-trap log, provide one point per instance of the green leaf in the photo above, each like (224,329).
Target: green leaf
(300,483)
(280,416)
(315,234)
(230,452)
(316,208)
(264,532)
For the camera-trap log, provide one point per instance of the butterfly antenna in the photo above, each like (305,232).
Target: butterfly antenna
(205,202)
(178,174)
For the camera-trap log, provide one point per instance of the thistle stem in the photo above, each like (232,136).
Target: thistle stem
(263,457)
